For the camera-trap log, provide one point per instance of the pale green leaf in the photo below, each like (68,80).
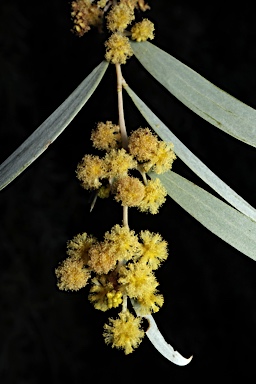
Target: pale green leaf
(51,128)
(196,165)
(158,340)
(221,219)
(208,101)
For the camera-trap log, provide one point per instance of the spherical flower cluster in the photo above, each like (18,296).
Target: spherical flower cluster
(119,17)
(78,247)
(137,279)
(118,162)
(118,49)
(129,191)
(154,249)
(124,332)
(72,275)
(102,258)
(85,14)
(153,154)
(90,171)
(106,136)
(154,197)
(143,30)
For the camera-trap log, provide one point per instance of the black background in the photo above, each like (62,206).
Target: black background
(209,287)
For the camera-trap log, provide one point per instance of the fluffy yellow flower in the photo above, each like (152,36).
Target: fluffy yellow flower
(79,246)
(100,289)
(130,191)
(143,30)
(90,171)
(118,162)
(150,302)
(119,17)
(154,249)
(124,242)
(155,196)
(124,332)
(85,15)
(72,275)
(153,153)
(106,136)
(143,144)
(164,158)
(137,279)
(118,49)
(102,258)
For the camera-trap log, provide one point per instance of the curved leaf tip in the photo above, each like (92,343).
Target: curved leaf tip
(162,346)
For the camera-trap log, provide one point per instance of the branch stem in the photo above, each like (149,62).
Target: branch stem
(120,106)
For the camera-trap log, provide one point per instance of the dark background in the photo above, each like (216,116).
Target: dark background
(47,336)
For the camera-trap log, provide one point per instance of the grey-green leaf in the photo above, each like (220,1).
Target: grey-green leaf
(51,128)
(158,340)
(196,165)
(221,219)
(208,101)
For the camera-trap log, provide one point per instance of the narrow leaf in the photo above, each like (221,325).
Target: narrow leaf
(221,219)
(158,340)
(208,101)
(51,128)
(196,165)
(162,346)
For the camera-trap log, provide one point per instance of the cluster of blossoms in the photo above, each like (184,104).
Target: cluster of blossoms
(118,16)
(110,174)
(122,265)
(119,267)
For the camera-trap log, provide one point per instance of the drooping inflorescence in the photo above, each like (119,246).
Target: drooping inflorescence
(120,267)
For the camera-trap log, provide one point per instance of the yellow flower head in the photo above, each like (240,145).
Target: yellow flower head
(137,279)
(72,275)
(155,196)
(124,242)
(78,247)
(143,30)
(102,258)
(154,249)
(102,294)
(124,332)
(90,171)
(85,15)
(164,158)
(143,144)
(118,162)
(119,17)
(106,136)
(150,302)
(118,49)
(130,191)
(153,153)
